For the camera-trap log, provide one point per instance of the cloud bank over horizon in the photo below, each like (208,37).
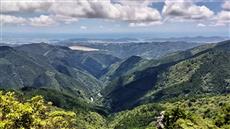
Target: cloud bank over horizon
(115,15)
(134,12)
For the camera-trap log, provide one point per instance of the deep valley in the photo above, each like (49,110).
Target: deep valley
(107,91)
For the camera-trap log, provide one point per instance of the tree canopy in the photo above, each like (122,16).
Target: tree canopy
(35,113)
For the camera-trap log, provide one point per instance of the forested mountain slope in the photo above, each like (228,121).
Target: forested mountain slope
(206,71)
(52,67)
(186,89)
(94,63)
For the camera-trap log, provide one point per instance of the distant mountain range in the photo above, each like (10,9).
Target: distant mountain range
(197,39)
(66,40)
(149,50)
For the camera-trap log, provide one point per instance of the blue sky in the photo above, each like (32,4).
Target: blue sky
(150,18)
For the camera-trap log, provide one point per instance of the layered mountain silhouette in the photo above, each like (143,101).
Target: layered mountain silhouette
(114,83)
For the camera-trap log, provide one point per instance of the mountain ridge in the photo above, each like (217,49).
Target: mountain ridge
(130,97)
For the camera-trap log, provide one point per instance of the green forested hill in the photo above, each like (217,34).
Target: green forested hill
(95,63)
(20,69)
(133,65)
(207,72)
(124,67)
(210,112)
(204,71)
(63,76)
(183,90)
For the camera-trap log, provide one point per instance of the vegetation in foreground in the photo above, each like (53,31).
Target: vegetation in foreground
(16,113)
(210,112)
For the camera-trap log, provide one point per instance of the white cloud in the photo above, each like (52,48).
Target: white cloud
(226,5)
(8,19)
(222,18)
(105,9)
(145,24)
(201,25)
(135,12)
(185,10)
(72,10)
(42,20)
(137,2)
(83,28)
(25,5)
(65,19)
(224,15)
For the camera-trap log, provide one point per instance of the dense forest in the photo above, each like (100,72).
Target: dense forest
(210,112)
(56,87)
(115,64)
